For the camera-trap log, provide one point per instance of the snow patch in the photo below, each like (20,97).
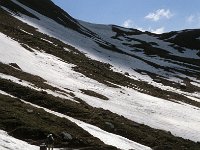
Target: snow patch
(32,86)
(195,83)
(26,32)
(106,137)
(94,51)
(9,143)
(179,119)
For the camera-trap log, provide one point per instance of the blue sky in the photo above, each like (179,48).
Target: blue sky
(153,15)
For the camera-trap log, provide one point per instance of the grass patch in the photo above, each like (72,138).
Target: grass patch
(96,70)
(94,94)
(99,117)
(33,126)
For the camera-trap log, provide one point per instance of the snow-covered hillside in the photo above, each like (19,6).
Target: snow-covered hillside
(113,74)
(127,56)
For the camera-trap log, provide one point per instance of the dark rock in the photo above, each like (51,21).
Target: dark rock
(183,87)
(44,92)
(157,80)
(66,136)
(136,124)
(15,65)
(126,73)
(110,125)
(29,110)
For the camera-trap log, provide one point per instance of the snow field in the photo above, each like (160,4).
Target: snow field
(181,120)
(108,138)
(81,42)
(178,118)
(9,143)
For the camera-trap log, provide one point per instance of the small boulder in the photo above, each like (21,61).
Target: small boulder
(66,136)
(136,125)
(183,87)
(110,125)
(15,65)
(29,110)
(127,74)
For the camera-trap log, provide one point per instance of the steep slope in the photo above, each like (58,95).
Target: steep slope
(163,65)
(186,38)
(143,81)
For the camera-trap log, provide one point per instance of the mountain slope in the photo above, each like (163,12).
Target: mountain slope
(124,81)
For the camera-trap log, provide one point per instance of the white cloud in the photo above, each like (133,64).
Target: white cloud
(190,19)
(158,14)
(158,30)
(193,19)
(128,24)
(141,29)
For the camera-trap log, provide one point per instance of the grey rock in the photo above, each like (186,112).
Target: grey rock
(66,136)
(110,125)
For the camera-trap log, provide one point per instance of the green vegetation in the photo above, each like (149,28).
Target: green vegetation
(33,125)
(93,69)
(140,133)
(187,38)
(94,94)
